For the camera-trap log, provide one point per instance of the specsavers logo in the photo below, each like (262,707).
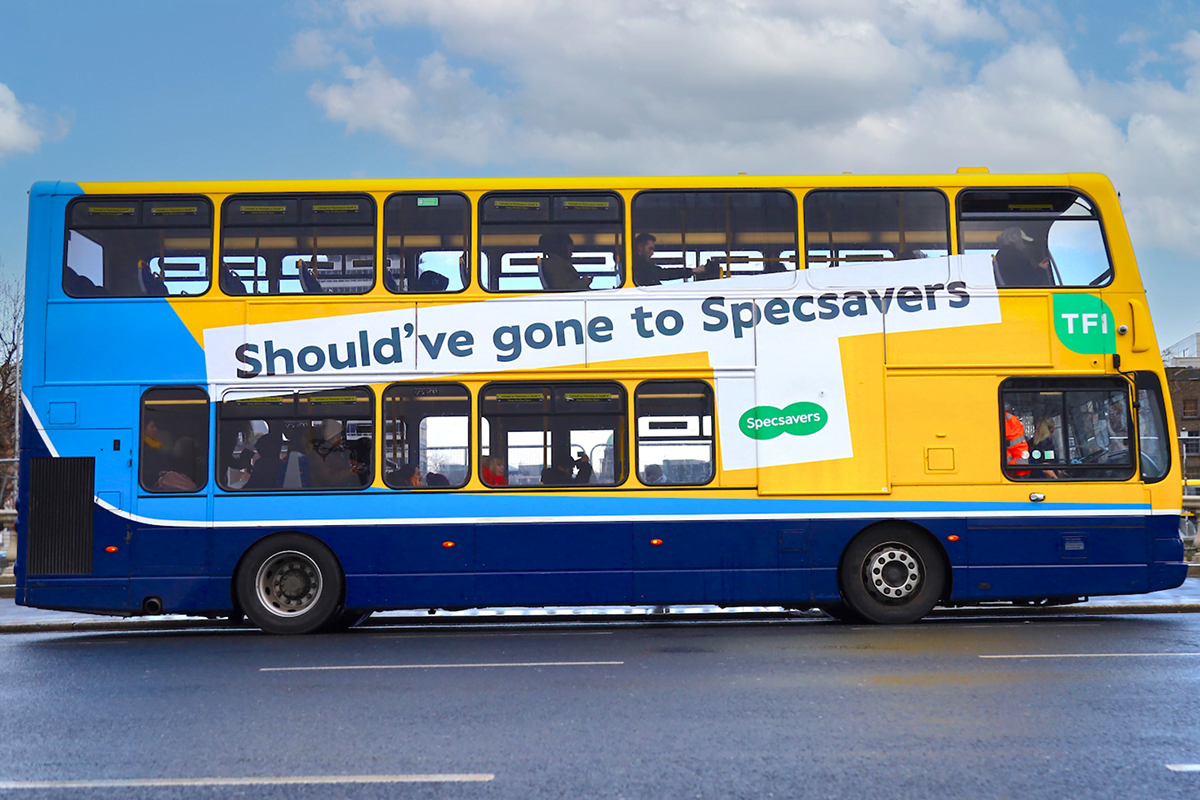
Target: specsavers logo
(798,419)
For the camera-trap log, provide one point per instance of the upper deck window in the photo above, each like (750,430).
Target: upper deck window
(138,247)
(427,239)
(310,244)
(856,226)
(706,235)
(551,242)
(1036,237)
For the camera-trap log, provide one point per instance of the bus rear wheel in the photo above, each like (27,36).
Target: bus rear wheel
(892,575)
(289,584)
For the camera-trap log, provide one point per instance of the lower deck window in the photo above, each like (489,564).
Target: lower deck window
(559,435)
(426,436)
(297,442)
(1066,429)
(173,452)
(1154,445)
(674,433)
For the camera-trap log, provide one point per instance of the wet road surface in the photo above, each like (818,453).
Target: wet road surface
(1053,707)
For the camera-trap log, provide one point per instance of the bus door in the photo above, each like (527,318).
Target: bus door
(1081,526)
(171,536)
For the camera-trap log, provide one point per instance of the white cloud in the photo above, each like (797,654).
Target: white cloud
(627,71)
(442,115)
(1190,46)
(19,131)
(312,49)
(315,48)
(773,86)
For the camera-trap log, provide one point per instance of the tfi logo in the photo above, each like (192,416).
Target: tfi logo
(1084,324)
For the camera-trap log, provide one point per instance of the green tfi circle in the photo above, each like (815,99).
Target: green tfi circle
(798,419)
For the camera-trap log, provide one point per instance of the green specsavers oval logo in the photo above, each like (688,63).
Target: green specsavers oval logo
(798,419)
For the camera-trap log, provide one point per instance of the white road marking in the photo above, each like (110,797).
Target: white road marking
(448,666)
(298,780)
(440,633)
(1095,655)
(1184,767)
(1040,625)
(989,625)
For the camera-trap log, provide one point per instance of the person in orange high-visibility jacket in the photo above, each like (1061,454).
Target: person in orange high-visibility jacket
(1016,446)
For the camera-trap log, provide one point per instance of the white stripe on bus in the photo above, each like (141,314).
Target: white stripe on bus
(545,519)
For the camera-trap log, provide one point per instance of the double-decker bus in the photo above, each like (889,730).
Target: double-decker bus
(303,401)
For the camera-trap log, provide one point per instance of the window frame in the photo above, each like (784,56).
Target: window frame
(382,235)
(622,227)
(1147,381)
(1062,383)
(377,233)
(235,392)
(1099,218)
(637,439)
(950,217)
(208,430)
(1195,411)
(553,386)
(213,248)
(797,226)
(383,427)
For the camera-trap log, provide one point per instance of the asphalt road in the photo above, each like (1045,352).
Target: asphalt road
(1056,707)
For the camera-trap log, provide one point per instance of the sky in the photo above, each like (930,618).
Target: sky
(137,90)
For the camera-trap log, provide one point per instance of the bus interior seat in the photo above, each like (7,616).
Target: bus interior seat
(151,285)
(431,281)
(231,283)
(79,286)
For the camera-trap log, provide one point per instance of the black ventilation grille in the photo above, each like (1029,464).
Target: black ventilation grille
(60,516)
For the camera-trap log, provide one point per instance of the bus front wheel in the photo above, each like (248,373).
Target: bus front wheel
(289,583)
(892,575)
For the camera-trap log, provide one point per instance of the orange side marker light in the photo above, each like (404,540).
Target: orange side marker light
(447,544)
(112,548)
(656,542)
(952,537)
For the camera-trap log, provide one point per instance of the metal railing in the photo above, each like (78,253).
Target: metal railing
(1191,501)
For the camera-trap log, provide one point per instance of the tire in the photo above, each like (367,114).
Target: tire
(345,619)
(290,583)
(842,613)
(892,575)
